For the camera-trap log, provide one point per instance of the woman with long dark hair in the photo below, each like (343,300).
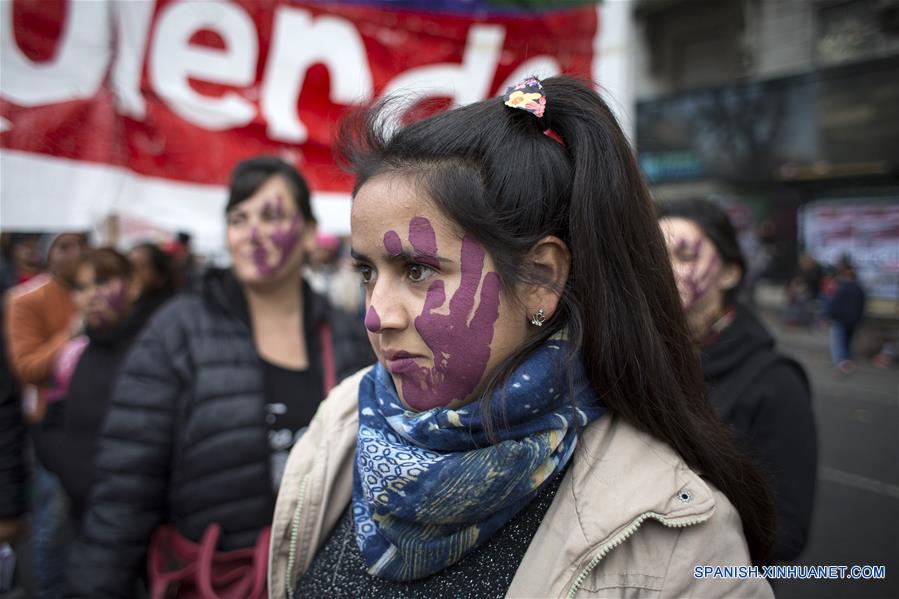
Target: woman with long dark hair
(537,424)
(762,394)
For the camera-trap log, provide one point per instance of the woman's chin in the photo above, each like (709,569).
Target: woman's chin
(99,321)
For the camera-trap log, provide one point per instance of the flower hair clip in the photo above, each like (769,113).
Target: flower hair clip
(527,95)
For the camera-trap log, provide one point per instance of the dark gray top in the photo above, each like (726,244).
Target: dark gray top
(339,570)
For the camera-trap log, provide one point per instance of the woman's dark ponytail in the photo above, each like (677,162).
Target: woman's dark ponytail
(636,345)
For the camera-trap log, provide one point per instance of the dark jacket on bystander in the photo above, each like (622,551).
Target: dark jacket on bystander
(766,398)
(67,443)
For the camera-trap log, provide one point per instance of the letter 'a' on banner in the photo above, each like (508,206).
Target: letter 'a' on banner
(142,108)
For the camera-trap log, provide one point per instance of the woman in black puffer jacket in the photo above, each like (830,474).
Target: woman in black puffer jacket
(214,393)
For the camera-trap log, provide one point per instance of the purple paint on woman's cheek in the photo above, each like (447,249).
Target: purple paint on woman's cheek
(392,243)
(460,349)
(372,320)
(697,281)
(284,242)
(112,303)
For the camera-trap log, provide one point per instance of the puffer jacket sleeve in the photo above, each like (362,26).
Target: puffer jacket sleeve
(129,495)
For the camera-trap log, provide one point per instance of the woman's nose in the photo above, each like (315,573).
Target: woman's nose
(385,311)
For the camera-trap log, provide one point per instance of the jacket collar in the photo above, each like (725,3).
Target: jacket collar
(745,336)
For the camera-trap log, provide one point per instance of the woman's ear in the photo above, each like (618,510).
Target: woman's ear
(729,277)
(135,287)
(307,238)
(548,264)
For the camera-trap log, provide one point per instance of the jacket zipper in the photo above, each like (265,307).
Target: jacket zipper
(623,536)
(295,535)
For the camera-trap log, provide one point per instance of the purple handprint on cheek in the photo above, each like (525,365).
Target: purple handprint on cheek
(698,279)
(110,304)
(282,241)
(461,349)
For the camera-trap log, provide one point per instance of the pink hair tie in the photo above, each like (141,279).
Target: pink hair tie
(528,96)
(554,135)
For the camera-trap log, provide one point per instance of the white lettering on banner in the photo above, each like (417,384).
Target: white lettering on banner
(464,83)
(298,42)
(78,66)
(161,41)
(173,60)
(132,20)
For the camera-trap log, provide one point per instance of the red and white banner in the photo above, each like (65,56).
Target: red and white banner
(142,107)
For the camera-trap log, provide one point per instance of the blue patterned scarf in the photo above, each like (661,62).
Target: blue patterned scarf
(428,487)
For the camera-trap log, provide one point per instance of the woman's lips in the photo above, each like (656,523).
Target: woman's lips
(401,362)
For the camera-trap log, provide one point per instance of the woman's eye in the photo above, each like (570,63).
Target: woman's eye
(366,273)
(271,217)
(419,272)
(236,219)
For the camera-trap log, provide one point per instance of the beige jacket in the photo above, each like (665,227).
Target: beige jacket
(630,519)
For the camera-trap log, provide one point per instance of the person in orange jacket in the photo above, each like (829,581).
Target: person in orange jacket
(41,318)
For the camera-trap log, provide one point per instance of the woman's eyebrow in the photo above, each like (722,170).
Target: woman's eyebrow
(404,256)
(359,257)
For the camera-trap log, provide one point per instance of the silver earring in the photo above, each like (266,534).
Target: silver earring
(539,318)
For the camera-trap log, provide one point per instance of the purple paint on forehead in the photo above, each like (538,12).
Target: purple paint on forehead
(392,243)
(372,320)
(422,237)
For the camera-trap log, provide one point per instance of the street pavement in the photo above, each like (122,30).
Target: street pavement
(856,519)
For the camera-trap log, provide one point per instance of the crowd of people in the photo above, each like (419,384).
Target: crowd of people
(545,385)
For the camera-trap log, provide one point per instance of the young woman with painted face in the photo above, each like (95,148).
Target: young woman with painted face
(214,393)
(537,423)
(763,395)
(85,369)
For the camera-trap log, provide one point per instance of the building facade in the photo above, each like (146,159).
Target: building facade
(785,110)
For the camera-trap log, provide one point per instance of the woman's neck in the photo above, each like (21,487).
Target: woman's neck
(275,300)
(276,313)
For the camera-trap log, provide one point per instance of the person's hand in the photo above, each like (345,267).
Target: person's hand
(11,530)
